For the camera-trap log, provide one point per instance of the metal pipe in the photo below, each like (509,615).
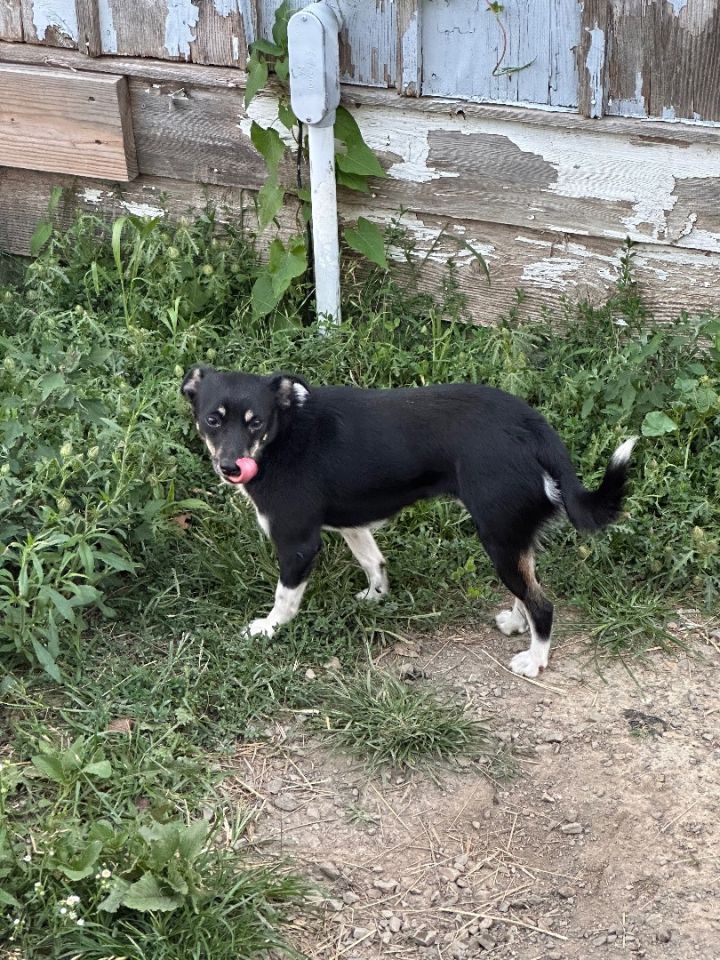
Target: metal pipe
(313,48)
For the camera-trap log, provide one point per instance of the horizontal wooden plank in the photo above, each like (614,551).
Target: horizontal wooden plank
(227,78)
(68,123)
(546,267)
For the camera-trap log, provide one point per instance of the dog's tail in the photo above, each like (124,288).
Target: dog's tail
(587,509)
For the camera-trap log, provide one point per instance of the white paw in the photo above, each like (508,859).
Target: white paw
(372,594)
(263,626)
(525,664)
(510,622)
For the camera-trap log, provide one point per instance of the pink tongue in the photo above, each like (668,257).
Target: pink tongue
(248,469)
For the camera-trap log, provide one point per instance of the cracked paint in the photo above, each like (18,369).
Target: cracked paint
(48,14)
(180,22)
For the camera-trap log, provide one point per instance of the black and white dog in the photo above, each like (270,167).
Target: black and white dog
(343,458)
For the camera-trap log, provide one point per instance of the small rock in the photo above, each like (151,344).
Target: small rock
(486,923)
(457,950)
(424,936)
(310,674)
(599,941)
(476,824)
(360,933)
(285,802)
(411,671)
(350,897)
(448,874)
(395,924)
(333,664)
(329,870)
(571,828)
(497,692)
(551,736)
(486,942)
(385,886)
(334,905)
(554,955)
(663,935)
(274,786)
(567,893)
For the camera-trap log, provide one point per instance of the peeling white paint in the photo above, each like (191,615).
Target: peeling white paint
(677,5)
(408,138)
(235,41)
(181,20)
(142,209)
(595,64)
(225,7)
(108,34)
(264,112)
(632,106)
(668,113)
(700,240)
(59,14)
(551,273)
(89,195)
(426,240)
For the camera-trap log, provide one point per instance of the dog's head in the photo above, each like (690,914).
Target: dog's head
(238,415)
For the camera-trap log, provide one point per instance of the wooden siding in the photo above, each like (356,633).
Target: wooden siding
(546,197)
(66,122)
(462,51)
(644,58)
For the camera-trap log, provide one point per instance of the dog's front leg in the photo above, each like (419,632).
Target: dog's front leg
(296,561)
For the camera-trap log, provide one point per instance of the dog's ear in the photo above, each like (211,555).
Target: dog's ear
(192,380)
(289,389)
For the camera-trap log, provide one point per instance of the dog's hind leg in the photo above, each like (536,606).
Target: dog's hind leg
(297,557)
(516,569)
(368,555)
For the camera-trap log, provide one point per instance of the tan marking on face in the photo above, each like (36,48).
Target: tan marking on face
(211,446)
(249,416)
(221,410)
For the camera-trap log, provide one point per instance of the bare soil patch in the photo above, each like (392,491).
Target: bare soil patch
(605,842)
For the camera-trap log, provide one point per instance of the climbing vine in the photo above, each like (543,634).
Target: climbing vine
(355,164)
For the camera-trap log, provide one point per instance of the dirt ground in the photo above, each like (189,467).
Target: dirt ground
(604,842)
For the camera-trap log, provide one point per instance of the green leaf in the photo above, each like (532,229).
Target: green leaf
(192,839)
(268,143)
(286,263)
(353,181)
(50,767)
(366,238)
(43,232)
(269,201)
(84,864)
(282,69)
(280,30)
(360,160)
(8,899)
(263,298)
(61,603)
(115,242)
(285,115)
(55,196)
(46,660)
(257,75)
(100,768)
(114,900)
(657,423)
(50,382)
(265,46)
(146,894)
(115,562)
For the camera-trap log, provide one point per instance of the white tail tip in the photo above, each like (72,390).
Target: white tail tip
(623,452)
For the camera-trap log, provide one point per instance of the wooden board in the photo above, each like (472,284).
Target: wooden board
(50,22)
(56,121)
(665,59)
(546,267)
(463,44)
(11,20)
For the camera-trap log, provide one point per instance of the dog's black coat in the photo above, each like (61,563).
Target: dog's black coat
(347,457)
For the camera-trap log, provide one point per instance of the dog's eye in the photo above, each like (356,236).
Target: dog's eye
(255,423)
(213,419)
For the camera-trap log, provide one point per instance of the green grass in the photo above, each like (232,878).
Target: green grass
(386,721)
(127,573)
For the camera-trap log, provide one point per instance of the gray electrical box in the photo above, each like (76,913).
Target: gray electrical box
(314,64)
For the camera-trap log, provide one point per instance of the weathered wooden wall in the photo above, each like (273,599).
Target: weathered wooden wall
(547,198)
(545,194)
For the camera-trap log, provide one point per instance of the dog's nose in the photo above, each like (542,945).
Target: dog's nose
(230,469)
